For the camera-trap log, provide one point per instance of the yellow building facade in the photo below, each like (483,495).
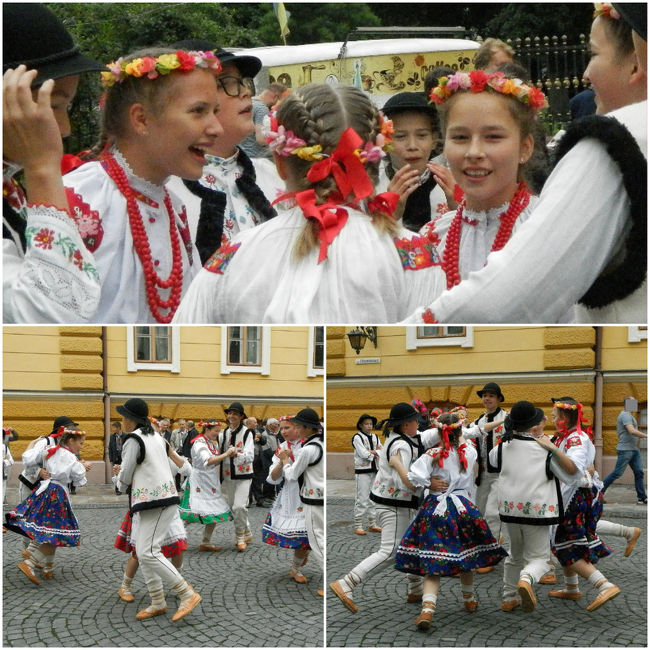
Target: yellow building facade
(445,366)
(182,372)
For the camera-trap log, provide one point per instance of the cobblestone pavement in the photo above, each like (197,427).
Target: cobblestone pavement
(249,600)
(385,619)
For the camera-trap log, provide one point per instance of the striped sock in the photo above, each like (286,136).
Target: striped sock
(599,581)
(183,590)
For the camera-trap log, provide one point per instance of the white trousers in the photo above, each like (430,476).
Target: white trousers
(393,523)
(528,554)
(236,494)
(487,502)
(315,522)
(151,528)
(363,506)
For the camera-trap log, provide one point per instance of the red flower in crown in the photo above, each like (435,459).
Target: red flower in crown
(478,79)
(186,61)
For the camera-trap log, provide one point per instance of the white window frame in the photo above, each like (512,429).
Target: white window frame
(311,370)
(637,334)
(265,366)
(413,342)
(132,365)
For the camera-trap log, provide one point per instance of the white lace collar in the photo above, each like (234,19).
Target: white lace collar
(485,216)
(149,189)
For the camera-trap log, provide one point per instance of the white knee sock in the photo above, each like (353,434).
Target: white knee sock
(429,601)
(599,581)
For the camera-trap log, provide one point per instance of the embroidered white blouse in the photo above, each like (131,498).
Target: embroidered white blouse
(101,215)
(367,277)
(55,280)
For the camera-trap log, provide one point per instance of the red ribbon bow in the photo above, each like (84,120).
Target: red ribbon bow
(59,432)
(330,217)
(52,450)
(346,168)
(385,202)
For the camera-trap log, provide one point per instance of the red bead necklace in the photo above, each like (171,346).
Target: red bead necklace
(450,258)
(141,244)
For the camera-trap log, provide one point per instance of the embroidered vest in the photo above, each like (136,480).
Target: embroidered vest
(490,439)
(235,467)
(528,492)
(152,485)
(362,465)
(312,480)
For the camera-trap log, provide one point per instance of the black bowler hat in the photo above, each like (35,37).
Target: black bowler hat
(523,416)
(236,407)
(635,14)
(493,388)
(365,416)
(34,36)
(135,409)
(248,65)
(565,400)
(308,418)
(400,413)
(408,101)
(62,421)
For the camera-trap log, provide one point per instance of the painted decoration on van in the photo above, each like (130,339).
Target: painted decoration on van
(382,74)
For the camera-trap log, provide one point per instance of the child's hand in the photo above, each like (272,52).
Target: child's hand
(444,178)
(404,183)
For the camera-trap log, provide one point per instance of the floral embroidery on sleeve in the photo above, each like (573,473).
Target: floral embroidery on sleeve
(89,223)
(417,253)
(220,260)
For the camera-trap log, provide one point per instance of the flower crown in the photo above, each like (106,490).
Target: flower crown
(605,9)
(61,430)
(478,80)
(210,422)
(153,67)
(284,142)
(153,420)
(566,406)
(285,418)
(420,406)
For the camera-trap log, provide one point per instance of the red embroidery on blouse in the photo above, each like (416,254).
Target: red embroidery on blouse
(417,253)
(220,260)
(89,223)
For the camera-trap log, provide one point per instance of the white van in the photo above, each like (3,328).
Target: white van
(381,67)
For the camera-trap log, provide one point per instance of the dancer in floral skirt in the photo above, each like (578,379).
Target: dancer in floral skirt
(448,536)
(46,516)
(285,524)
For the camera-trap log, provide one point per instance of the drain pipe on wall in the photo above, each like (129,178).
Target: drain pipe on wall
(108,470)
(598,400)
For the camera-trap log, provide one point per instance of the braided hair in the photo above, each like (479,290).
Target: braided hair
(319,113)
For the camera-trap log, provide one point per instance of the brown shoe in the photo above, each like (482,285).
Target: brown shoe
(548,579)
(125,595)
(29,572)
(144,614)
(320,592)
(470,605)
(603,596)
(509,605)
(189,605)
(485,569)
(27,555)
(424,620)
(297,576)
(359,531)
(632,543)
(346,600)
(209,547)
(47,574)
(374,529)
(241,545)
(566,595)
(527,595)
(413,598)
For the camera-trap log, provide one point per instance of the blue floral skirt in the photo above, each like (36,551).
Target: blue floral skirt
(576,537)
(449,544)
(46,518)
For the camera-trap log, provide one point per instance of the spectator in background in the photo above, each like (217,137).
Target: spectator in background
(178,434)
(7,459)
(115,447)
(254,145)
(165,430)
(186,447)
(492,54)
(627,451)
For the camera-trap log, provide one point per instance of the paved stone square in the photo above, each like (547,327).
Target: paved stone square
(249,600)
(385,619)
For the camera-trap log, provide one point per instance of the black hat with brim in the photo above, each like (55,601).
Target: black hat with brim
(134,409)
(63,421)
(365,416)
(33,36)
(400,413)
(407,102)
(248,65)
(236,407)
(635,14)
(307,418)
(524,415)
(491,387)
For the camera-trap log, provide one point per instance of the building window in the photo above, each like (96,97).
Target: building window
(245,349)
(316,352)
(435,336)
(153,348)
(637,334)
